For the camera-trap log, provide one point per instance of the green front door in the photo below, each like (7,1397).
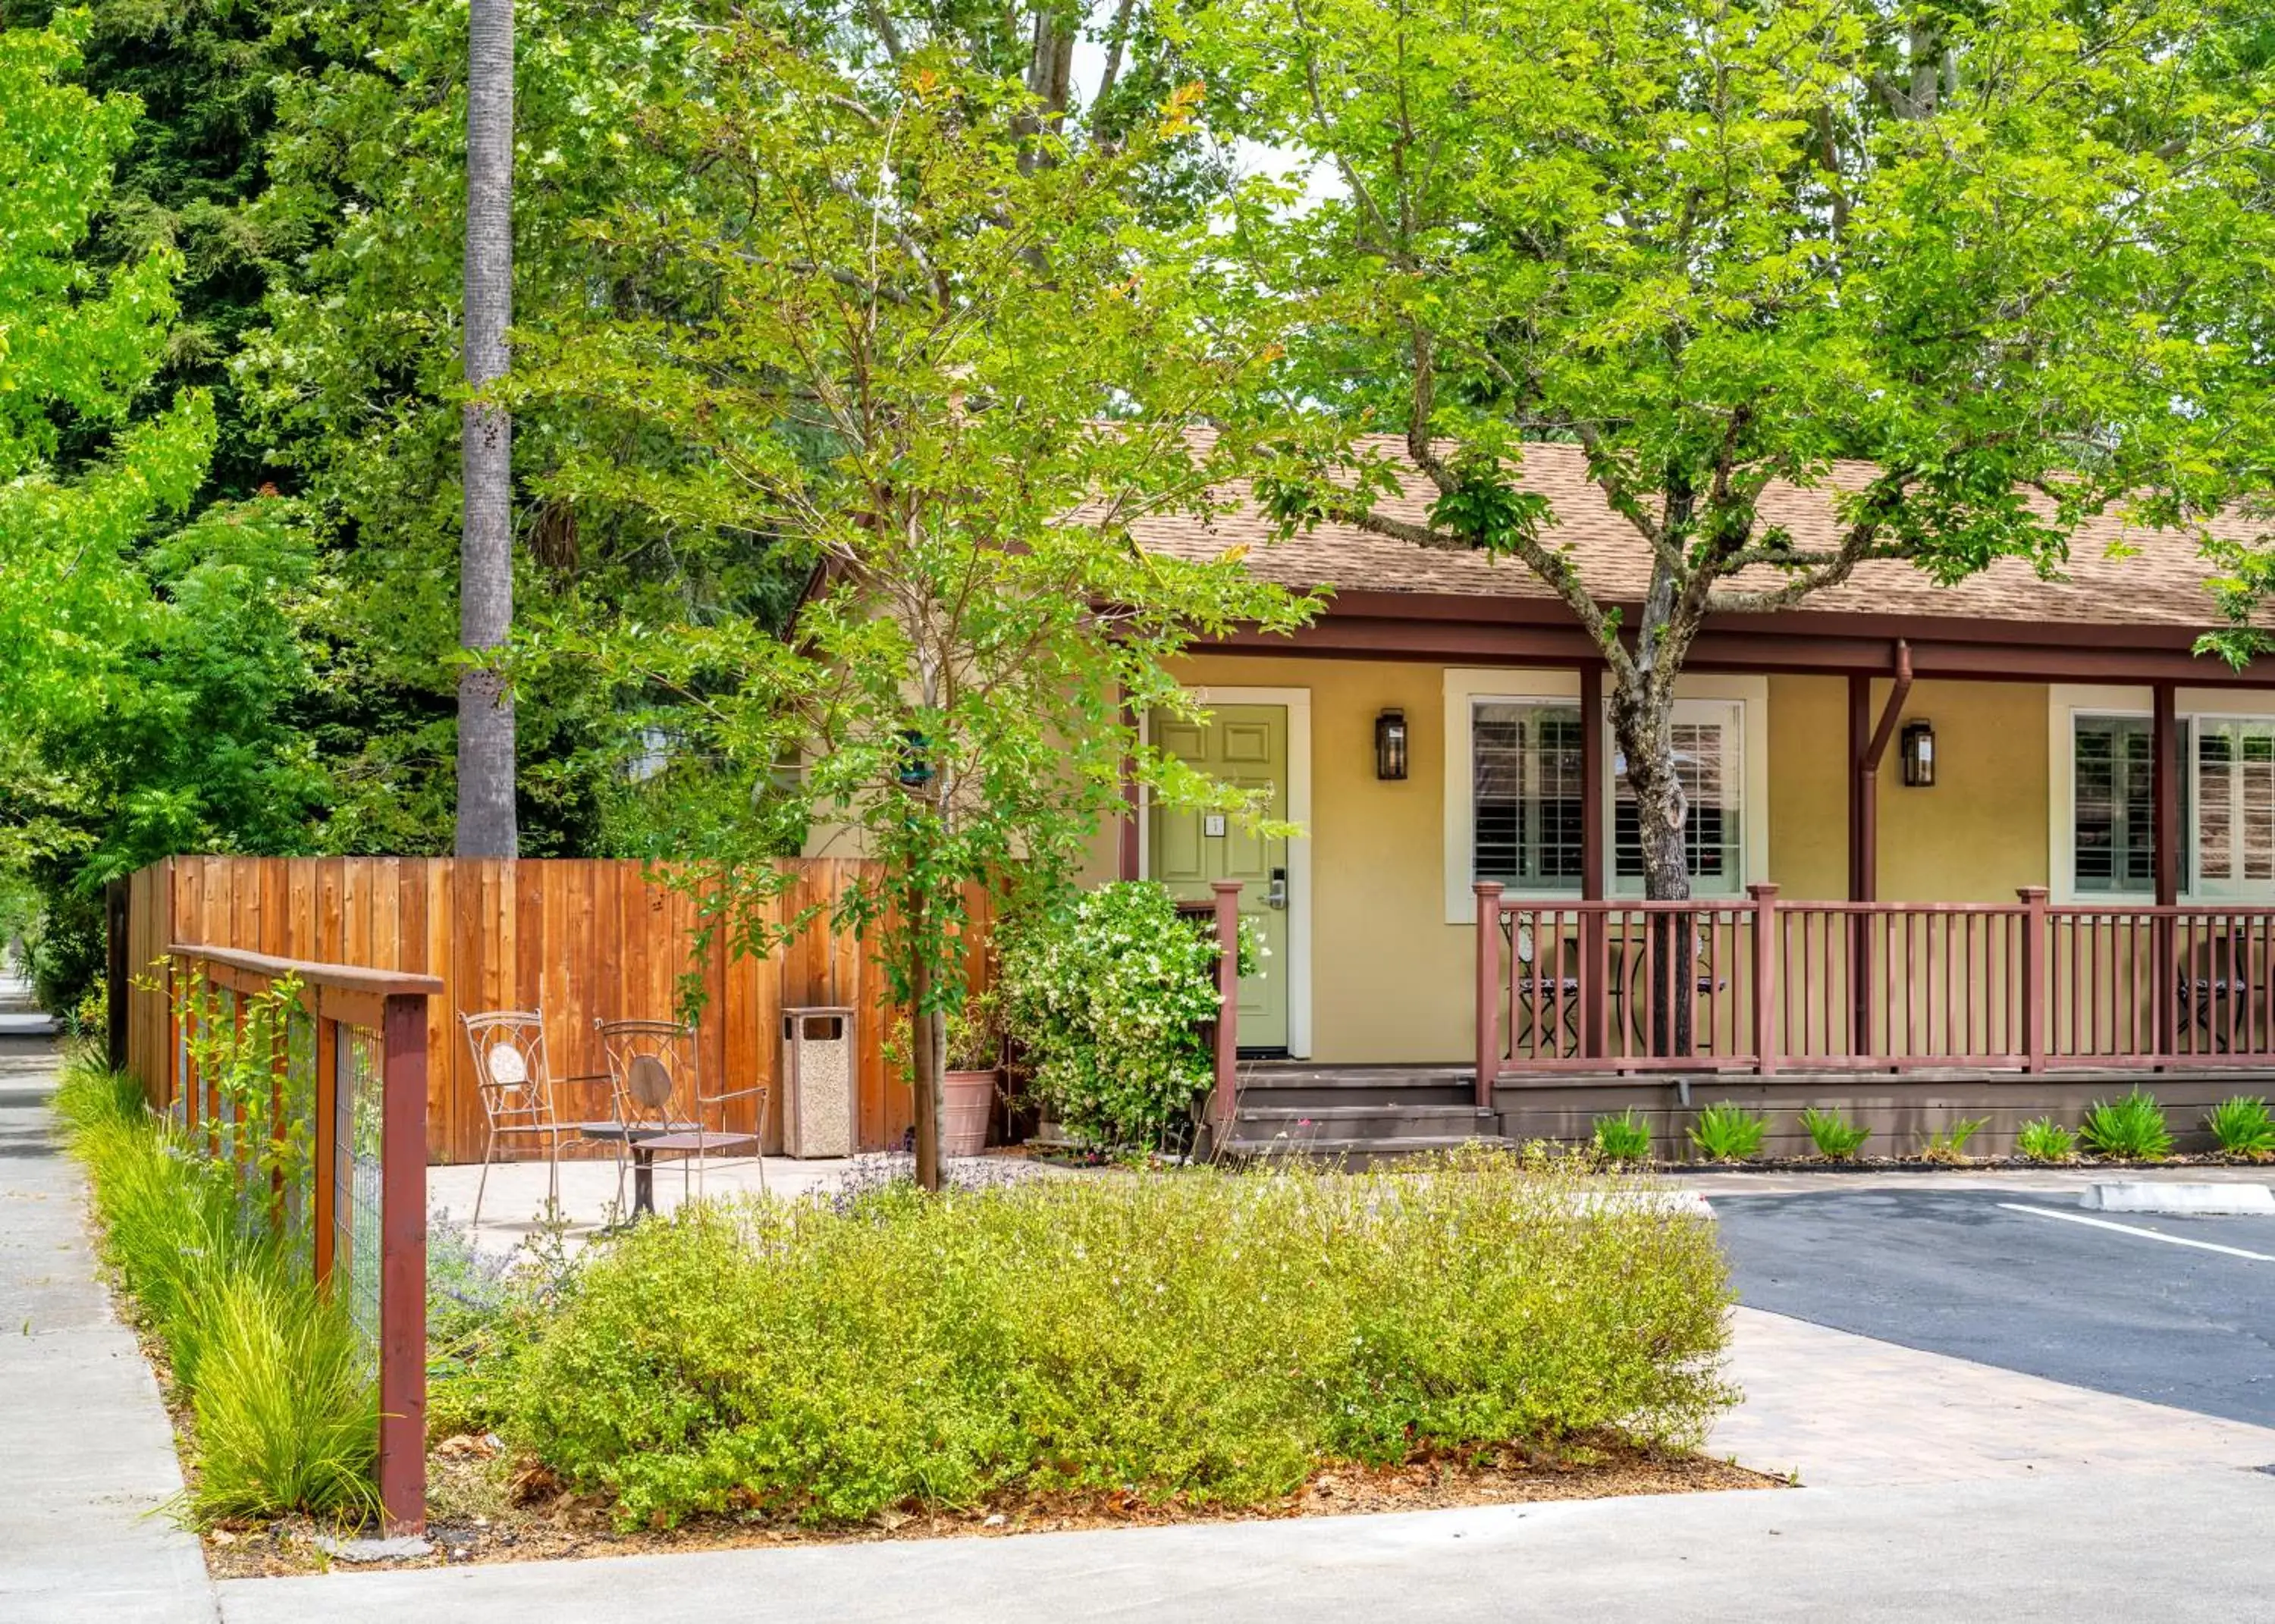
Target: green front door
(1247,745)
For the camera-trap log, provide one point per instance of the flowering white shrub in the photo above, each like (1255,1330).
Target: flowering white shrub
(1108,999)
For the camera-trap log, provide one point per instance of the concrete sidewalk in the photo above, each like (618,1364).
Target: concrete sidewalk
(2180,1548)
(85,1446)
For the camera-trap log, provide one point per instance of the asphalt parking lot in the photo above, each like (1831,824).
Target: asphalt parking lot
(1965,1273)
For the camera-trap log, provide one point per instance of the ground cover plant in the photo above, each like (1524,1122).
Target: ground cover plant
(2243,1127)
(1726,1131)
(1835,1136)
(1624,1138)
(2132,1128)
(1199,1337)
(272,1373)
(2044,1139)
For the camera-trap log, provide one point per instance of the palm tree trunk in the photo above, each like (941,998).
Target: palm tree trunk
(486,733)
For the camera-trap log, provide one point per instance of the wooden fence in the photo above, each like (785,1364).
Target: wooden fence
(580,940)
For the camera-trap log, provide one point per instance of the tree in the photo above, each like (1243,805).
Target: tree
(1718,245)
(486,744)
(925,344)
(79,349)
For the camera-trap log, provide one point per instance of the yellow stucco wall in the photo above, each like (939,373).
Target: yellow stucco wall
(1980,832)
(1391,979)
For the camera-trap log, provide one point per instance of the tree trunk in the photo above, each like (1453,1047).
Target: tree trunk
(927,1058)
(486,728)
(1663,981)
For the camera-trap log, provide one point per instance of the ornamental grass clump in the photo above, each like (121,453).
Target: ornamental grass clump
(1198,1336)
(2129,1130)
(1835,1136)
(1726,1131)
(2043,1139)
(283,1411)
(2243,1127)
(1624,1138)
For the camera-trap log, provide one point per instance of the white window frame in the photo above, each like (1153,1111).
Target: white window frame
(1465,686)
(2065,702)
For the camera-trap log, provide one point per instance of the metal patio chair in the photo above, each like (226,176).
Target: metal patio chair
(656,1079)
(1543,1003)
(516,1089)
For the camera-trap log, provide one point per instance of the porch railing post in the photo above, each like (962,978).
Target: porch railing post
(1488,1051)
(1227,1014)
(1766,990)
(2034,965)
(403,1263)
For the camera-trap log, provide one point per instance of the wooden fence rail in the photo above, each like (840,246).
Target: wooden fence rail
(340,1109)
(579,940)
(1760,984)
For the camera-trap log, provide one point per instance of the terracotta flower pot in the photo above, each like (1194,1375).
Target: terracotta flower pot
(968,1100)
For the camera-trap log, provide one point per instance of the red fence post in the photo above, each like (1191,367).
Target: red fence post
(1488,990)
(1765,976)
(1227,1014)
(403,1265)
(2034,976)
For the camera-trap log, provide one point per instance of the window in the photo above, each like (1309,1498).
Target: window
(2235,806)
(2113,826)
(2113,806)
(1526,805)
(1709,760)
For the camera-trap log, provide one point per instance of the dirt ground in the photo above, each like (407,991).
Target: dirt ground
(483,1509)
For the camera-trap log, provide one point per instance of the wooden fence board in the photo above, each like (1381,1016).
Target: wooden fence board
(580,939)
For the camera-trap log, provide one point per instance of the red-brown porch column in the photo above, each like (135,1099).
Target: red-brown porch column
(2164,782)
(1227,920)
(1594,966)
(1863,858)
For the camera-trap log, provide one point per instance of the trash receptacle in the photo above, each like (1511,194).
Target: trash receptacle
(819,1103)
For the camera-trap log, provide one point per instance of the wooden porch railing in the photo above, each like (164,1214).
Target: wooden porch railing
(351,1088)
(1759,985)
(1219,917)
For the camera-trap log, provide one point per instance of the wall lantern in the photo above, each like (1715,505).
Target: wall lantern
(1390,745)
(1919,755)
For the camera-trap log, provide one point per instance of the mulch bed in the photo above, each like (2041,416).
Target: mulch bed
(1966,1164)
(483,1509)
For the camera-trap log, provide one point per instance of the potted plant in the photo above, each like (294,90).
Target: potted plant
(975,1065)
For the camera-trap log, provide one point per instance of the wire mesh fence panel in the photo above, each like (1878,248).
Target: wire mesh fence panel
(356,1180)
(295,1131)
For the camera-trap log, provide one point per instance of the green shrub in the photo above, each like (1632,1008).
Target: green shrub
(1198,1335)
(2243,1127)
(1835,1136)
(285,1418)
(2045,1140)
(1727,1131)
(1624,1138)
(1106,1000)
(2130,1130)
(1951,1144)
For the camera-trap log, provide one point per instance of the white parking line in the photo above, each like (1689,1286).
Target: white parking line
(2102,1223)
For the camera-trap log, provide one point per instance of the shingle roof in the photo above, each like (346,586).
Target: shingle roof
(2161,583)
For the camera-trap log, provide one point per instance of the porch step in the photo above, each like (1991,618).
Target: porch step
(1281,1084)
(1351,1152)
(1399,1120)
